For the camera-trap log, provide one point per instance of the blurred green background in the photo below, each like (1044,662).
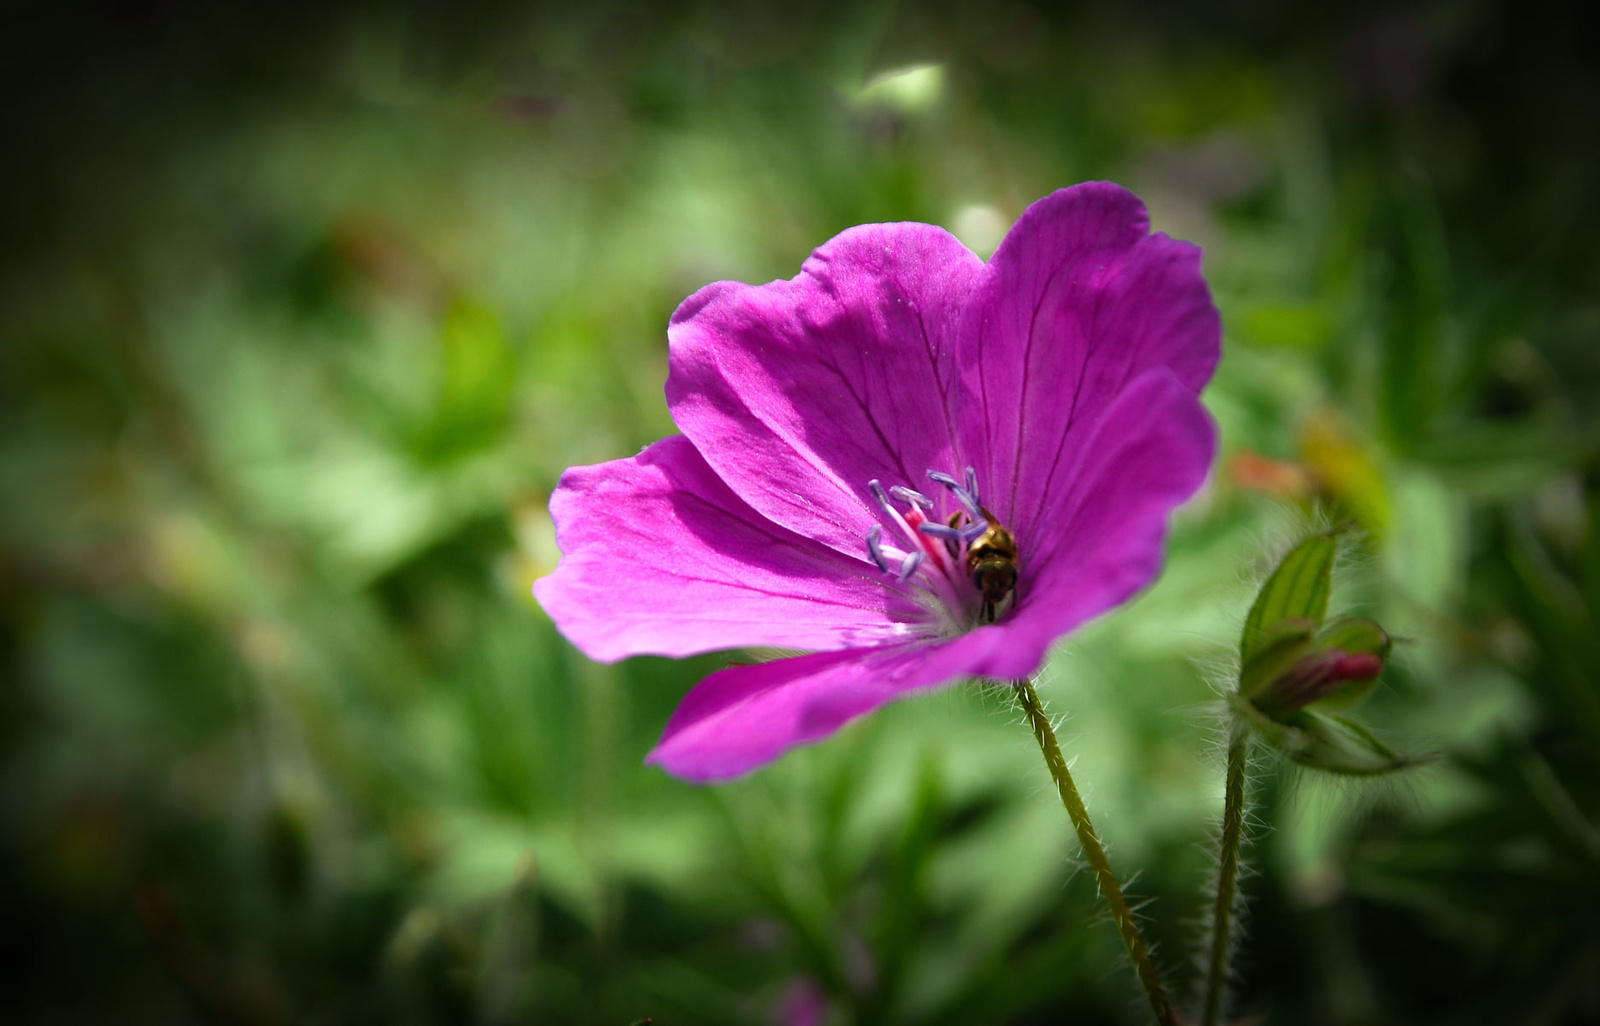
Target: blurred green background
(305,307)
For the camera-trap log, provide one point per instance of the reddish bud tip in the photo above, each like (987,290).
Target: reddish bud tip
(1357,666)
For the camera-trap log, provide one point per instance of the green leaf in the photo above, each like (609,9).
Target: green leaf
(1413,310)
(477,379)
(1289,325)
(1297,590)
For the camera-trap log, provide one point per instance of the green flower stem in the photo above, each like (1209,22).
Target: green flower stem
(1110,889)
(1227,874)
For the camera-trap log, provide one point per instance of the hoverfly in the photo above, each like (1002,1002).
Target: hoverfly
(991,562)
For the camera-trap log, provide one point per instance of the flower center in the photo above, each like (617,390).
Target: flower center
(965,567)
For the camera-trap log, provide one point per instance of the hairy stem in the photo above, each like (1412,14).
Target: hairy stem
(1227,875)
(1110,889)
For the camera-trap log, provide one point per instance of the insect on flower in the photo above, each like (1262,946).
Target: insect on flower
(915,465)
(992,562)
(991,553)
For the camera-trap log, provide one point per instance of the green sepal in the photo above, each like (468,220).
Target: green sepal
(1341,745)
(1278,735)
(1355,634)
(1297,590)
(1278,647)
(1332,744)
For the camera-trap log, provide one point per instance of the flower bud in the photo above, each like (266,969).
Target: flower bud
(1297,668)
(1336,668)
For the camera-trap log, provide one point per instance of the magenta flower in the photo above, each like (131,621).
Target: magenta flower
(918,466)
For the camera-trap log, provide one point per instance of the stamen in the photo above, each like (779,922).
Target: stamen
(882,496)
(875,547)
(911,497)
(933,530)
(929,554)
(888,509)
(968,500)
(973,531)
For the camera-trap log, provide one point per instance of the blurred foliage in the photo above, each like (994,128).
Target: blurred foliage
(305,307)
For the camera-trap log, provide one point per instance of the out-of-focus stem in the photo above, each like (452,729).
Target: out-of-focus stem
(1227,875)
(1095,855)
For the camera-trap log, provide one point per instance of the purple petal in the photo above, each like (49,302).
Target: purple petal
(659,557)
(745,716)
(799,392)
(1078,301)
(1103,541)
